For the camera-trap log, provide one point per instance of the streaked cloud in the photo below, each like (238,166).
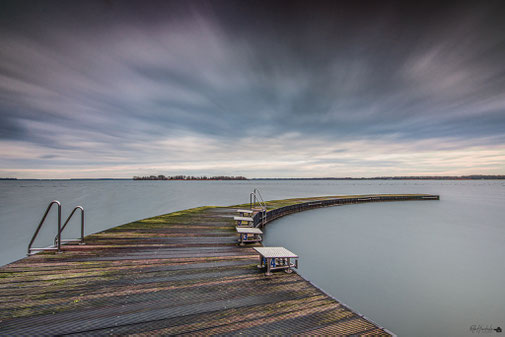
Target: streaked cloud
(197,154)
(94,89)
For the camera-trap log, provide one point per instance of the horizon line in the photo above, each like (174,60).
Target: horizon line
(414,177)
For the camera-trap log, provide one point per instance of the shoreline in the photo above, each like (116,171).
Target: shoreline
(408,178)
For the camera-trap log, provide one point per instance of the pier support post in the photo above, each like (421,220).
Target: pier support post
(269,261)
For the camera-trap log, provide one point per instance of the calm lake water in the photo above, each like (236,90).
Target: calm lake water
(427,268)
(418,268)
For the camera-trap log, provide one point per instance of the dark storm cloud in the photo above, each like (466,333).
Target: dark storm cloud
(114,76)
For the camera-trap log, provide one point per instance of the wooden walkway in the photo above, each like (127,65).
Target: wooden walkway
(180,273)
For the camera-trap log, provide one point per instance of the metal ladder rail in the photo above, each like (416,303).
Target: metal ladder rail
(260,199)
(256,198)
(81,239)
(58,248)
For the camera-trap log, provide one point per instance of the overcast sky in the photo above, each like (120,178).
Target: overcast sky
(261,89)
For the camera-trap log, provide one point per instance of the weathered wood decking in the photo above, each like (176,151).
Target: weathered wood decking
(180,273)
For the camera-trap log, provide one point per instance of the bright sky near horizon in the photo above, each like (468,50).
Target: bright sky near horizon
(93,89)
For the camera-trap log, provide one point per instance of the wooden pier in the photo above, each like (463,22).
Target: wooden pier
(179,273)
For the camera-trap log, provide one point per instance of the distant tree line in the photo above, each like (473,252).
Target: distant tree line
(468,177)
(183,177)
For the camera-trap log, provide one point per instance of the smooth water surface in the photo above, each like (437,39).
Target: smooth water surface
(418,268)
(112,203)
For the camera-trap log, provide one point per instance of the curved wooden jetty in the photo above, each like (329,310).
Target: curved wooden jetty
(179,273)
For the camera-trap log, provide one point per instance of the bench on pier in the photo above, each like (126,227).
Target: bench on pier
(243,221)
(249,235)
(276,258)
(245,212)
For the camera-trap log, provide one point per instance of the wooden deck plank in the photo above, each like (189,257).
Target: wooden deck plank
(179,273)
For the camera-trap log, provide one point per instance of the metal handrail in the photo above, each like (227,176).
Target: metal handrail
(54,202)
(57,238)
(260,200)
(255,197)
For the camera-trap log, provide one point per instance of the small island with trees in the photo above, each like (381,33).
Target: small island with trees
(183,177)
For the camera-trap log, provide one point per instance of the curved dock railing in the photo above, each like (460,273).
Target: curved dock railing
(262,218)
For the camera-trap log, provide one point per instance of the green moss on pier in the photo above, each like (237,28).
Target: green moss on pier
(184,258)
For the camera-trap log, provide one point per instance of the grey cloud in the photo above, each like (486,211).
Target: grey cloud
(48,156)
(122,74)
(10,129)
